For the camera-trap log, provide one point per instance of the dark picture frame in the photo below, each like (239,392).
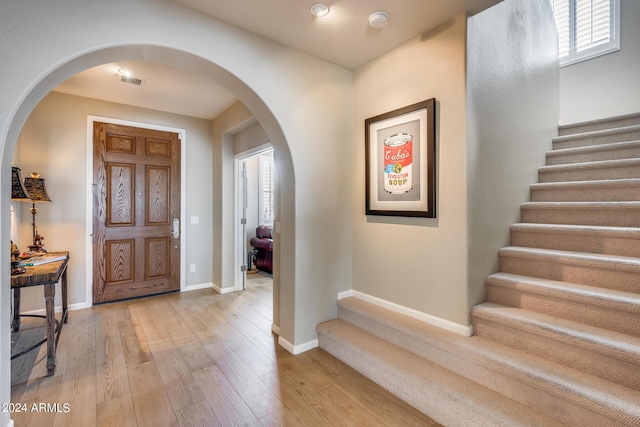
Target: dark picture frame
(400,156)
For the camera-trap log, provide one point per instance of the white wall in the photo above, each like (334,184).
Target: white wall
(302,102)
(54,143)
(607,85)
(419,263)
(512,114)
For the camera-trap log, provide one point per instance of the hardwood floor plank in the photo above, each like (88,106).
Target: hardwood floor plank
(22,366)
(201,329)
(150,400)
(382,403)
(245,350)
(229,407)
(180,385)
(191,350)
(134,346)
(267,344)
(349,410)
(302,404)
(112,380)
(253,391)
(283,417)
(311,381)
(79,391)
(197,415)
(153,328)
(195,356)
(116,412)
(165,310)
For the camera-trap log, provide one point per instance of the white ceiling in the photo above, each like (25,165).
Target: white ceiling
(343,37)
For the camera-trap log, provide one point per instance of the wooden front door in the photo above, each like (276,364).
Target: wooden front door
(136,219)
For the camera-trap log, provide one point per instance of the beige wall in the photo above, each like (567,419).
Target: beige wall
(54,143)
(416,262)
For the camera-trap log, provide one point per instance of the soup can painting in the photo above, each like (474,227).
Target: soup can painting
(398,161)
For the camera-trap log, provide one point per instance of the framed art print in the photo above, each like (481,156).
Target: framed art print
(401,162)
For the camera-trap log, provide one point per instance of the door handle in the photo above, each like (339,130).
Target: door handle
(175,232)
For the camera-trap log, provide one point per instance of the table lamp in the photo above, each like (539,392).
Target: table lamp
(37,193)
(18,192)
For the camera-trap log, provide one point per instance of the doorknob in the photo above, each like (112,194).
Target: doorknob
(175,232)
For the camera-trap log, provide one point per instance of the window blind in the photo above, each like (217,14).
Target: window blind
(267,189)
(586,28)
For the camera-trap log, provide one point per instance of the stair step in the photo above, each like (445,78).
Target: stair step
(612,151)
(570,396)
(621,214)
(609,355)
(587,171)
(606,271)
(600,124)
(613,190)
(445,396)
(606,136)
(624,241)
(604,308)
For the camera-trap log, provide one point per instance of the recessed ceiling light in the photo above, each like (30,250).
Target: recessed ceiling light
(378,19)
(319,9)
(125,73)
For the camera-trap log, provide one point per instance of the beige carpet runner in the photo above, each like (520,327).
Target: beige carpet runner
(558,340)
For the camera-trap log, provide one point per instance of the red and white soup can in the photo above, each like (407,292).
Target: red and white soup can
(398,163)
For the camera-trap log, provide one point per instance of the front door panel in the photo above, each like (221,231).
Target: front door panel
(136,200)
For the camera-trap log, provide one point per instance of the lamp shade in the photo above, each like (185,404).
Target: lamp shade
(36,189)
(18,191)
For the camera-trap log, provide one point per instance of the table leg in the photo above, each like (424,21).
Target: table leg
(63,286)
(16,310)
(49,295)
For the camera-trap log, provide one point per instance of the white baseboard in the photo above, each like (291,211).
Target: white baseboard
(220,290)
(188,288)
(464,330)
(58,309)
(275,329)
(297,349)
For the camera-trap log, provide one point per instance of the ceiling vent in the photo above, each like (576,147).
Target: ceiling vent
(131,80)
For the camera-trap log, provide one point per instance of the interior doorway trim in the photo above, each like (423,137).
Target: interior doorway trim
(239,256)
(89,195)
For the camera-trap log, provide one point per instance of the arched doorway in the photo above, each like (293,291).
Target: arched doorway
(153,53)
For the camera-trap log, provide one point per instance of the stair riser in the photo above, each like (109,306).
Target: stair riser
(438,407)
(554,305)
(488,373)
(418,388)
(614,154)
(590,362)
(596,275)
(626,217)
(629,120)
(597,140)
(587,194)
(622,172)
(577,243)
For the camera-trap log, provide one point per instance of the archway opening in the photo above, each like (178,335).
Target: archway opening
(224,213)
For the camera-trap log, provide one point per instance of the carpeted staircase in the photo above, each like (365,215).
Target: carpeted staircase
(558,340)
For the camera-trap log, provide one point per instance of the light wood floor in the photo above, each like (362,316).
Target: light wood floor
(192,359)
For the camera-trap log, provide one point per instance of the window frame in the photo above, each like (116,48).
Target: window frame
(613,45)
(261,191)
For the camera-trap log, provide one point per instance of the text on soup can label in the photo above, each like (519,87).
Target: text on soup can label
(398,163)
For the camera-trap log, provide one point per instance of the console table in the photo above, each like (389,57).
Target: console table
(46,275)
